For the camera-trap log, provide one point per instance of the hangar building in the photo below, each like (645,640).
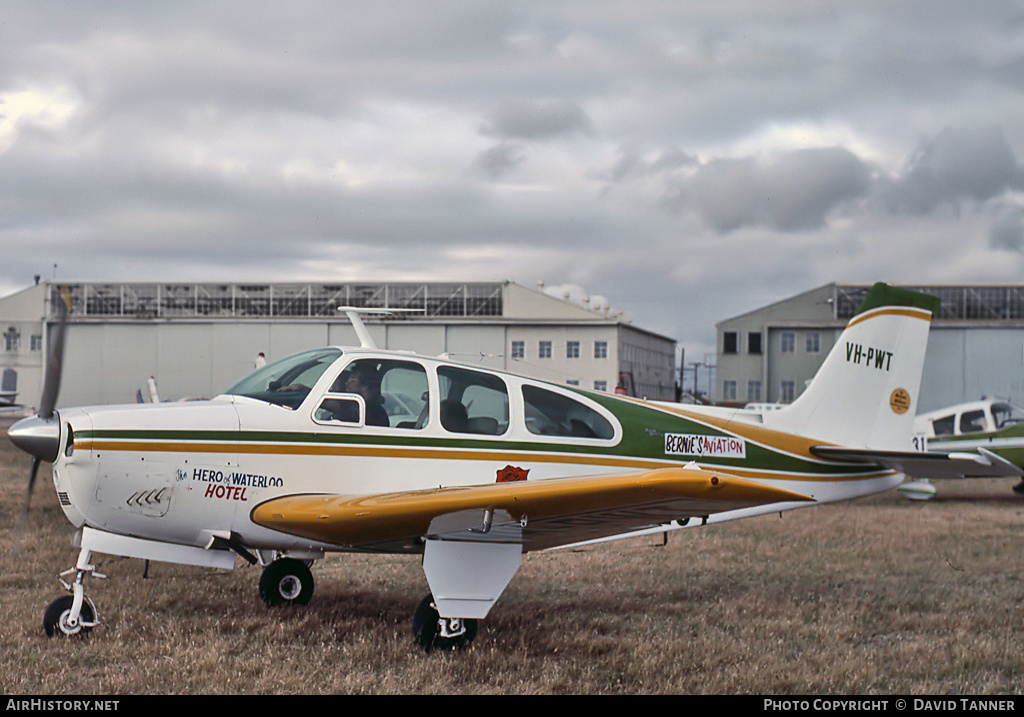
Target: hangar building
(975,346)
(197,339)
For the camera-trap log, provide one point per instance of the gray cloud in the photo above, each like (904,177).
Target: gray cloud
(1007,230)
(536,120)
(499,160)
(975,164)
(791,191)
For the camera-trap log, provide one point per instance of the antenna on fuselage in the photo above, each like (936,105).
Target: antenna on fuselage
(353,313)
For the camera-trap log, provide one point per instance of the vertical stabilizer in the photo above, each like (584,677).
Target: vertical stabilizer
(865,394)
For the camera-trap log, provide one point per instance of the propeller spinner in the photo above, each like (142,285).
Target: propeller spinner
(39,435)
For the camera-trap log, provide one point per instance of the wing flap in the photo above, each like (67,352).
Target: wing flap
(927,464)
(541,513)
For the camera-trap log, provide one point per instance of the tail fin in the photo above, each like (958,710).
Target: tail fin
(865,393)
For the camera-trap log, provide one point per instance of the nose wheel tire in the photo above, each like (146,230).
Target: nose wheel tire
(286,582)
(433,632)
(57,618)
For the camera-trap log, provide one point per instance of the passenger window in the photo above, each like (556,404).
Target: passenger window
(472,402)
(394,392)
(972,422)
(943,426)
(553,414)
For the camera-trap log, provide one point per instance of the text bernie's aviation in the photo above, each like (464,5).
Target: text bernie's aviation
(359,449)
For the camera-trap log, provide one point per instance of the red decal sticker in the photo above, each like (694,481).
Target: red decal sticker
(509,474)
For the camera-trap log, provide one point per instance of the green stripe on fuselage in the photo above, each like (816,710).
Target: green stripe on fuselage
(644,442)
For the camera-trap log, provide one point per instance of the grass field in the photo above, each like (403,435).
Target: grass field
(877,596)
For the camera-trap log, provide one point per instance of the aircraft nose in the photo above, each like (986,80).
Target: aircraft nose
(37,436)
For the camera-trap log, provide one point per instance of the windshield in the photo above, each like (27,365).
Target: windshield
(1005,414)
(286,382)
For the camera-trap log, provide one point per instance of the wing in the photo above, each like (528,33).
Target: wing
(927,464)
(539,513)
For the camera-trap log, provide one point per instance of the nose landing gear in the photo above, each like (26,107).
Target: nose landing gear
(74,614)
(58,620)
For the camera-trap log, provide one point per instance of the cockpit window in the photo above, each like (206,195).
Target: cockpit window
(1005,414)
(552,414)
(287,381)
(394,394)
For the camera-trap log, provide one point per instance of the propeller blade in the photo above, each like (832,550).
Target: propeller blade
(51,384)
(31,483)
(40,434)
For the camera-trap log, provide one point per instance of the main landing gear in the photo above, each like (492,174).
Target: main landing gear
(288,581)
(433,632)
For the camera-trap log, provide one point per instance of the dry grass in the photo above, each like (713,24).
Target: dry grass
(879,596)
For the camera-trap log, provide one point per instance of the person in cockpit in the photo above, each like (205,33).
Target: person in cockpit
(365,381)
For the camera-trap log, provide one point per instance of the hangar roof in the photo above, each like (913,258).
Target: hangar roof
(1001,303)
(495,301)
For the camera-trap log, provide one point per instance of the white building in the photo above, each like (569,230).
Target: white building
(197,339)
(975,346)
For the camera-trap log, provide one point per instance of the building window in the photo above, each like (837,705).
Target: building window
(36,342)
(600,385)
(788,342)
(729,342)
(572,382)
(12,339)
(754,342)
(787,392)
(518,349)
(753,391)
(600,349)
(544,350)
(728,390)
(572,349)
(9,381)
(813,342)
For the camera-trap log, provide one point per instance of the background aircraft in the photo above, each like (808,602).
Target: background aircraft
(475,470)
(988,425)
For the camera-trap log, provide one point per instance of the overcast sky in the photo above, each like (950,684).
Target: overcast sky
(684,161)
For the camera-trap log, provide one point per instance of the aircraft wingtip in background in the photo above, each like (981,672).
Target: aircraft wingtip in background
(360,449)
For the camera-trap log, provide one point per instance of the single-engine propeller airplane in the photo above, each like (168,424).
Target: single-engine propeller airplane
(359,449)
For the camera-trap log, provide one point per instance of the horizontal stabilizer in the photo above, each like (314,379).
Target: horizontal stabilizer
(917,464)
(539,514)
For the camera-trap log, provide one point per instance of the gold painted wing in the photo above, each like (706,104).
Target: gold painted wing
(537,513)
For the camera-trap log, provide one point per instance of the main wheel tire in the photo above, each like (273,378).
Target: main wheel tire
(433,632)
(55,619)
(286,582)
